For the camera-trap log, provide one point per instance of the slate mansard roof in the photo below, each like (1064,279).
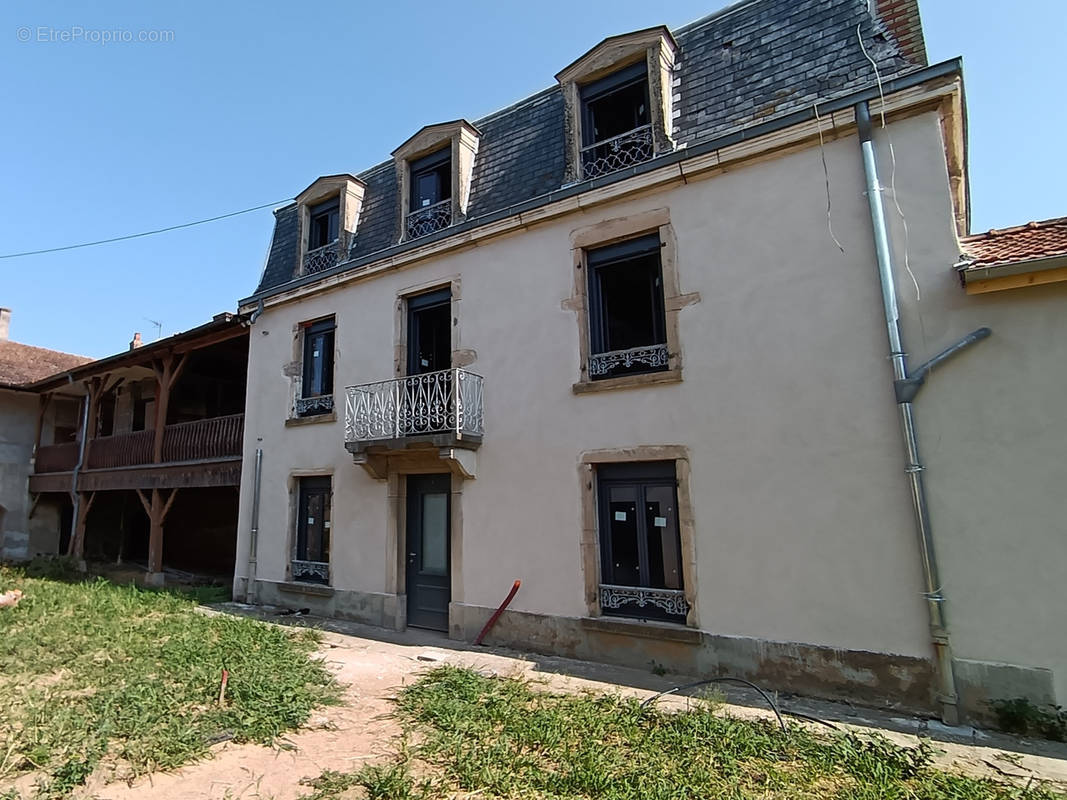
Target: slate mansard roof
(748,64)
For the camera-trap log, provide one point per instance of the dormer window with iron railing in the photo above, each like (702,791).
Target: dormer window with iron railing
(616,122)
(430,202)
(323,232)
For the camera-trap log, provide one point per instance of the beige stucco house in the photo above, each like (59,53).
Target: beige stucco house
(626,342)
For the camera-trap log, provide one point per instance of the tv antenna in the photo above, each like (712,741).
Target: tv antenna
(159,327)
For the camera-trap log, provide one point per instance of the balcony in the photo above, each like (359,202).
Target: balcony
(429,220)
(618,152)
(204,441)
(437,409)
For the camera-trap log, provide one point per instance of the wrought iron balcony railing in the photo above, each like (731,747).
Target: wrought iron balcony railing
(431,219)
(618,152)
(652,357)
(322,258)
(312,406)
(445,402)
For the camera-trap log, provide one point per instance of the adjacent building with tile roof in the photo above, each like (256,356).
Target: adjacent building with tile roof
(1010,258)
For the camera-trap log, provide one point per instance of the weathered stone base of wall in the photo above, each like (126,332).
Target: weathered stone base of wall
(370,608)
(980,682)
(875,679)
(14,546)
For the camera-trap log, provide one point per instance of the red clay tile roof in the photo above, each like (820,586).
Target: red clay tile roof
(1029,242)
(22,363)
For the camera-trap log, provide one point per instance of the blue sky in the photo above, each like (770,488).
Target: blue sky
(249,102)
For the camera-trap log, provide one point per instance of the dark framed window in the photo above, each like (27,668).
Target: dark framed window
(324,222)
(311,562)
(316,388)
(616,121)
(431,180)
(640,547)
(627,330)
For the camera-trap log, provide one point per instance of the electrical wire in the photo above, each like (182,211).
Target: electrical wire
(143,233)
(826,176)
(726,679)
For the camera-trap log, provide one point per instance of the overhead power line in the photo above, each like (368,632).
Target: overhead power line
(144,233)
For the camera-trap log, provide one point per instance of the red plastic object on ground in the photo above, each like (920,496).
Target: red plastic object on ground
(498,612)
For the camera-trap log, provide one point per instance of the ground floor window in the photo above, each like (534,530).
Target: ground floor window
(311,560)
(640,548)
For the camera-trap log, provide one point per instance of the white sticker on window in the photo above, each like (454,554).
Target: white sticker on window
(311,520)
(314,353)
(620,516)
(326,524)
(660,522)
(425,363)
(425,202)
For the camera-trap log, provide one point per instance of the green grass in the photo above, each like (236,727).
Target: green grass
(502,738)
(92,671)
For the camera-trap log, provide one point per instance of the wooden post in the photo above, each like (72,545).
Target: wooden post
(42,408)
(77,541)
(157,510)
(167,371)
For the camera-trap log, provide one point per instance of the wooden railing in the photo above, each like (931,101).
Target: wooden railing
(219,437)
(56,457)
(108,452)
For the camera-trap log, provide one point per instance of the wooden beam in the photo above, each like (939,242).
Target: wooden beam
(167,372)
(42,408)
(155,533)
(144,503)
(77,541)
(36,498)
(170,502)
(1020,281)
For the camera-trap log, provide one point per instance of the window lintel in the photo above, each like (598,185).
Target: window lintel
(616,52)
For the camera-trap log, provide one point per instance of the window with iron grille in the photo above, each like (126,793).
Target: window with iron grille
(316,387)
(627,332)
(430,198)
(616,122)
(640,548)
(311,561)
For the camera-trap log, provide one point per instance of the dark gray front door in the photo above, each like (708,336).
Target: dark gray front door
(429,580)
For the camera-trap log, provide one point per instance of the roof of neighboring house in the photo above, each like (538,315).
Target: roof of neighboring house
(222,326)
(1033,241)
(22,363)
(751,63)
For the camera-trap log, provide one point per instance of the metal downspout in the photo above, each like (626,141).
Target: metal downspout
(74,475)
(253,539)
(935,599)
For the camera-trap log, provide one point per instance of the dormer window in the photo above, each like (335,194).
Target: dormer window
(618,103)
(433,173)
(329,212)
(616,122)
(431,194)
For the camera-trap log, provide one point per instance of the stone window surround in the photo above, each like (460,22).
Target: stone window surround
(608,232)
(462,139)
(293,487)
(590,541)
(349,190)
(658,48)
(294,370)
(460,357)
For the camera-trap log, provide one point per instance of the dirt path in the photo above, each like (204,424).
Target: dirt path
(372,665)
